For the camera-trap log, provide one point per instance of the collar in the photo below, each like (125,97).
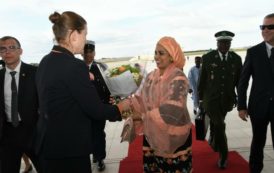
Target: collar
(62,50)
(268,49)
(269,46)
(220,54)
(90,64)
(17,68)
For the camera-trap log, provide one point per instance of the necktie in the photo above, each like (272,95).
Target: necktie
(272,53)
(92,67)
(272,59)
(14,101)
(223,56)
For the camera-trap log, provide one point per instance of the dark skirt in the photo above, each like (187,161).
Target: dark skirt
(180,164)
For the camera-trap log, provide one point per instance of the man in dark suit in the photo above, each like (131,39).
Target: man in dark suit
(2,64)
(216,88)
(259,64)
(18,107)
(98,134)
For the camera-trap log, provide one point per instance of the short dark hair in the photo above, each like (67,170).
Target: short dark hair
(198,57)
(88,47)
(10,37)
(269,15)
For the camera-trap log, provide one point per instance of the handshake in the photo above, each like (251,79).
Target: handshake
(127,108)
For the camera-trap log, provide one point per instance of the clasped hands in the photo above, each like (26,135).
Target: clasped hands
(127,109)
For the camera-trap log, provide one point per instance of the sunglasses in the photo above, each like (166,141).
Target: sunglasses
(10,48)
(269,27)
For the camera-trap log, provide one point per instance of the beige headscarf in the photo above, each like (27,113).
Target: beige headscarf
(174,50)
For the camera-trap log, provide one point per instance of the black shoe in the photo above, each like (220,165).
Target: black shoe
(101,165)
(28,170)
(222,164)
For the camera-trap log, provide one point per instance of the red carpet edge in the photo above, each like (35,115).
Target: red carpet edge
(204,158)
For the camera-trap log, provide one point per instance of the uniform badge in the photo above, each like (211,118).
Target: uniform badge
(211,75)
(214,65)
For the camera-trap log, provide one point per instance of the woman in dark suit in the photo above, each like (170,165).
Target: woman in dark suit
(68,100)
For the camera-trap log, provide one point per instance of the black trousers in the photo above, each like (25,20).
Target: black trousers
(259,129)
(1,154)
(68,165)
(217,129)
(99,139)
(14,144)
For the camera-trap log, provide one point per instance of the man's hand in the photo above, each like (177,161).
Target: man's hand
(243,114)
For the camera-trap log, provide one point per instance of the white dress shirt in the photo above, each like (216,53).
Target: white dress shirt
(268,49)
(221,55)
(7,89)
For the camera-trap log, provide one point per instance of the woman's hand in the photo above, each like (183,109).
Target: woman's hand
(91,76)
(125,108)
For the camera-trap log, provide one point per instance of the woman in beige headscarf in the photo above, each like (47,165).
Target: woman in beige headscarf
(161,106)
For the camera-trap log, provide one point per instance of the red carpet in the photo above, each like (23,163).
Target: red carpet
(133,163)
(204,159)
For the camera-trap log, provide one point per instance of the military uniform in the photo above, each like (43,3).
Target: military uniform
(216,88)
(98,126)
(219,79)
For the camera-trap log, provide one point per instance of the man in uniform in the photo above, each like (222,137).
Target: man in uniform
(216,88)
(99,136)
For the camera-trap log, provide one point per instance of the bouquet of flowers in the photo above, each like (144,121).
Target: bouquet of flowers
(123,81)
(133,70)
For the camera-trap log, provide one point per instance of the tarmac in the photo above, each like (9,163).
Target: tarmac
(239,135)
(238,132)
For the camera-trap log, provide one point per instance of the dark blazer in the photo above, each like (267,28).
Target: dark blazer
(257,66)
(218,80)
(99,82)
(70,102)
(2,119)
(27,102)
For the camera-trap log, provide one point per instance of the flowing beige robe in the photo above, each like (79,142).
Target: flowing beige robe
(162,107)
